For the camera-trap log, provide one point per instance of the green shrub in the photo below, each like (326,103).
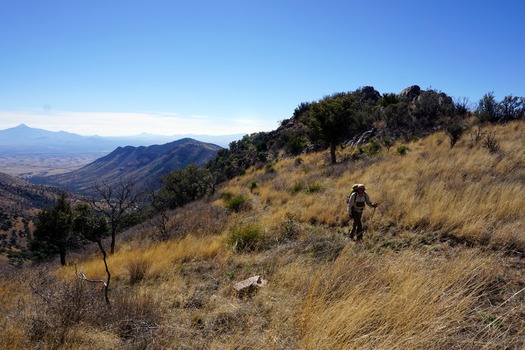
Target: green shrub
(295,145)
(309,188)
(253,185)
(388,142)
(313,187)
(297,187)
(403,150)
(269,169)
(226,196)
(373,147)
(244,238)
(234,202)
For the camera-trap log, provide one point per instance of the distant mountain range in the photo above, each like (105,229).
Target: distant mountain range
(140,164)
(21,200)
(23,139)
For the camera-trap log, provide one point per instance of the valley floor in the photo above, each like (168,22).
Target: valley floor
(25,166)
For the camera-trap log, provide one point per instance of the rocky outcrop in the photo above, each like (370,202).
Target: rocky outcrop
(360,139)
(369,93)
(444,99)
(412,92)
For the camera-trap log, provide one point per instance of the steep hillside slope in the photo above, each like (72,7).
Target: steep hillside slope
(440,266)
(22,198)
(141,164)
(20,201)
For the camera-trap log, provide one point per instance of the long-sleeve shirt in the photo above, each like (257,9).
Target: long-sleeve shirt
(357,202)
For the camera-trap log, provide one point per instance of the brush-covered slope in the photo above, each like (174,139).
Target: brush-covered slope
(22,198)
(440,266)
(20,201)
(140,164)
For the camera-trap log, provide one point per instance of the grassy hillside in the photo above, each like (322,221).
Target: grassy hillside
(440,266)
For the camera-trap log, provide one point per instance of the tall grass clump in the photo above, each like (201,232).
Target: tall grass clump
(198,218)
(244,237)
(13,310)
(137,268)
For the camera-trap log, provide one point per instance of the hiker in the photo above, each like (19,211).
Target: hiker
(356,204)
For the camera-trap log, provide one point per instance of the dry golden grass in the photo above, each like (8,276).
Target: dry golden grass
(437,269)
(12,305)
(464,191)
(154,260)
(395,301)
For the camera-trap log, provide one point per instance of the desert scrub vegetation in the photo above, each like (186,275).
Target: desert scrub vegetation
(440,266)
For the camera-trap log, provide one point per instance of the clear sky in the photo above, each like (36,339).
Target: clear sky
(122,67)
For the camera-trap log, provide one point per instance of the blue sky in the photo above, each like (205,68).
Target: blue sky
(113,67)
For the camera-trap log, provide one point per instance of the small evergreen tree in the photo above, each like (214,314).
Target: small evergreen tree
(454,131)
(487,110)
(182,186)
(330,121)
(54,234)
(511,108)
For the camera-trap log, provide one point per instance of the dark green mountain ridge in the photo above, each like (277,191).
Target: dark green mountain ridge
(139,164)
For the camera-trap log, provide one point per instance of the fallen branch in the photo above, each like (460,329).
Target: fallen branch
(82,276)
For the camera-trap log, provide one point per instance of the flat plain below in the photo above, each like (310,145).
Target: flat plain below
(25,166)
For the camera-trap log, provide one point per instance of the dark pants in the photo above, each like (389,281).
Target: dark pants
(357,226)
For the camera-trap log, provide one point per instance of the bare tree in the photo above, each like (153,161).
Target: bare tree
(160,208)
(93,228)
(477,135)
(113,201)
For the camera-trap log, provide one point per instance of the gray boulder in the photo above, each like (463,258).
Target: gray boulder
(412,92)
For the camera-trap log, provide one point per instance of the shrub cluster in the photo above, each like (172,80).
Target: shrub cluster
(245,238)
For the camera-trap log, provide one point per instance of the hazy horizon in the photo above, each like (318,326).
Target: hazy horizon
(120,136)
